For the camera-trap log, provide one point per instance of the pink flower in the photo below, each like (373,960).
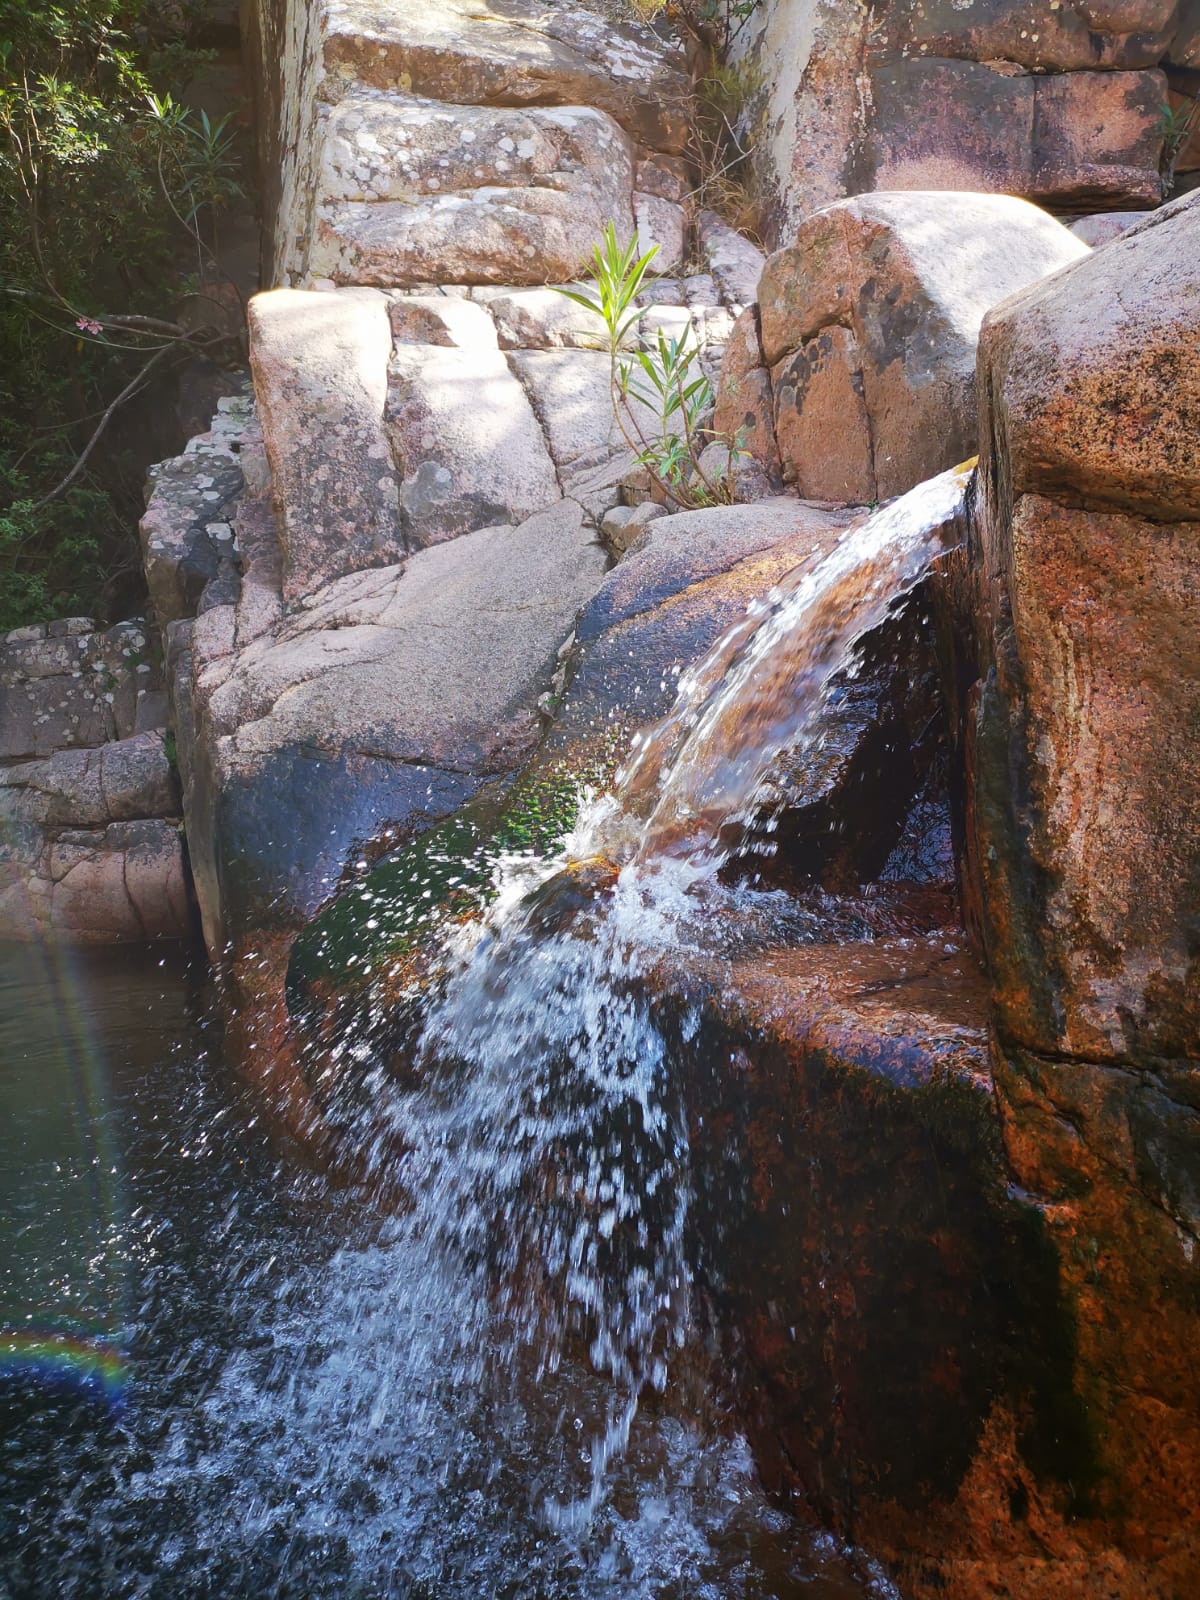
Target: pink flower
(89,325)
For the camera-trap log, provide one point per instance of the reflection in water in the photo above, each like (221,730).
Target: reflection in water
(62,1276)
(301,1418)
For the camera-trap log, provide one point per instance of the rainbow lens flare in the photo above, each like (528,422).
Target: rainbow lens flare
(63,1273)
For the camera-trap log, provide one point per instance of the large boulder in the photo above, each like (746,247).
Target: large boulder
(417,191)
(477,52)
(1088,774)
(1083,859)
(1058,101)
(366,175)
(869,323)
(389,696)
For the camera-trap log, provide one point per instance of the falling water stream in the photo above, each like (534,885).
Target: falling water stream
(499,1386)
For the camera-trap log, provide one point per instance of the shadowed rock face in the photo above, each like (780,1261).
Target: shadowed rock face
(1082,854)
(1055,102)
(91,849)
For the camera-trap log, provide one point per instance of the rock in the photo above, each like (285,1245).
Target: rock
(69,689)
(90,849)
(543,319)
(1067,139)
(153,712)
(669,606)
(735,263)
(1111,1155)
(523,54)
(1103,34)
(869,324)
(124,780)
(663,226)
(467,444)
(441,320)
(596,482)
(1086,777)
(721,464)
(382,704)
(1053,102)
(465,194)
(1184,50)
(320,366)
(186,533)
(121,885)
(1104,226)
(684,551)
(668,177)
(89,845)
(1069,385)
(622,528)
(823,429)
(1185,161)
(745,408)
(570,394)
(331,122)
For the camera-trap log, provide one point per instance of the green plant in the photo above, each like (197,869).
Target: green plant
(661,397)
(1174,129)
(102,178)
(725,89)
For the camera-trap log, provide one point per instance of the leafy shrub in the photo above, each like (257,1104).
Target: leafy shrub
(101,178)
(666,382)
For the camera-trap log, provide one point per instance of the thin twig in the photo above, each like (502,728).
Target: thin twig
(126,393)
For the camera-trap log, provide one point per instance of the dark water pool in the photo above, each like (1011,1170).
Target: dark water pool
(222,1377)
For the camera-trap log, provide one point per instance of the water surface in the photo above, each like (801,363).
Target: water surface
(226,1378)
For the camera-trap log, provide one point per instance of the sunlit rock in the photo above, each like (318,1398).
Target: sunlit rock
(869,324)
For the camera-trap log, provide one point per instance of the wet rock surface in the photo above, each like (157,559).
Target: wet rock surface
(1080,870)
(369,709)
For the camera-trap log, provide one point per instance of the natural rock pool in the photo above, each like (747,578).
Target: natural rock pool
(221,1376)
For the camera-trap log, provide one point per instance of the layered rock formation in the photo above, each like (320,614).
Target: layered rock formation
(459,142)
(1057,102)
(947,1207)
(91,847)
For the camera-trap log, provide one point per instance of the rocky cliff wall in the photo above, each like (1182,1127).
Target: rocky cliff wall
(282,40)
(1061,103)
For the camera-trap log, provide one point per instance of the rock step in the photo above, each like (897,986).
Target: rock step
(394,422)
(415,189)
(483,143)
(474,52)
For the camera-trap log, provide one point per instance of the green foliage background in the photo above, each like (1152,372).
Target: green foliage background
(88,232)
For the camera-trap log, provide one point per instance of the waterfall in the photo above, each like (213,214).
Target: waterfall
(542,1137)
